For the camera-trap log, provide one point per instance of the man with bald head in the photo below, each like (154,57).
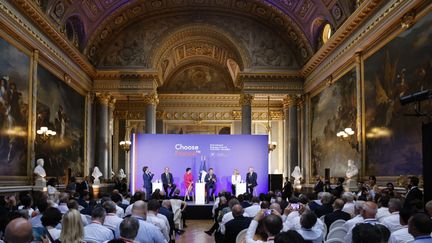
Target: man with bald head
(368,213)
(234,226)
(337,213)
(146,232)
(18,231)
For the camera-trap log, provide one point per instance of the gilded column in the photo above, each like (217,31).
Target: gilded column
(291,139)
(151,100)
(102,146)
(246,104)
(111,107)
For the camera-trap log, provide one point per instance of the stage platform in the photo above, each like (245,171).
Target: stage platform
(198,211)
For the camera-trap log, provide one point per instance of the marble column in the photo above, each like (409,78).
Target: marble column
(291,127)
(91,140)
(111,107)
(102,146)
(151,100)
(159,122)
(246,104)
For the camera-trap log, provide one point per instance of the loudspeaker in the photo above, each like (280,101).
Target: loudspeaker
(427,160)
(327,174)
(275,182)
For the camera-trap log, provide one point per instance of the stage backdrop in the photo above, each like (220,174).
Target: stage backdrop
(223,153)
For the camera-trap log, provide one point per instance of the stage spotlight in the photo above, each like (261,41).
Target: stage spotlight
(416,97)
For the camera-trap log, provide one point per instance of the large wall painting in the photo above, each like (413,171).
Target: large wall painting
(401,67)
(61,109)
(333,110)
(14,86)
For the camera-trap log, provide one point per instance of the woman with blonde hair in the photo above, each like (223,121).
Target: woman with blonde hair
(72,227)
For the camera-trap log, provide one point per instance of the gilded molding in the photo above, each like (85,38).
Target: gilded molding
(103,98)
(245,99)
(408,20)
(112,102)
(290,100)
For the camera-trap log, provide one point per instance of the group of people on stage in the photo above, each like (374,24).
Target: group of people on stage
(209,178)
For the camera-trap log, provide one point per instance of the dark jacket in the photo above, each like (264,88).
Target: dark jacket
(412,195)
(337,214)
(323,210)
(251,179)
(165,178)
(234,226)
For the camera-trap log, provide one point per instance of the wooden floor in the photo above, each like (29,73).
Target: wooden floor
(195,232)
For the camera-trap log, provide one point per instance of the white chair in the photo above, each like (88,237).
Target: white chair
(241,237)
(337,233)
(337,223)
(335,241)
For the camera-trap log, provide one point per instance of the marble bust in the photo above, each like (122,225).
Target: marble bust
(40,173)
(121,175)
(296,173)
(352,169)
(96,174)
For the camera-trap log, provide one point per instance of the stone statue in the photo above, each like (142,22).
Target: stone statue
(40,173)
(297,176)
(351,173)
(96,174)
(352,169)
(121,175)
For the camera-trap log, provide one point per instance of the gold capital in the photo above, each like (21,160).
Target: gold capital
(103,98)
(151,98)
(111,102)
(246,99)
(290,100)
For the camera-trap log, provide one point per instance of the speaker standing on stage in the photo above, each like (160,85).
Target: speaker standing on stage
(188,180)
(251,180)
(167,182)
(235,179)
(210,180)
(147,180)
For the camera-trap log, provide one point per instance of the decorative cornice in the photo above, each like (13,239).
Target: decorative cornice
(362,13)
(34,13)
(408,20)
(289,101)
(103,98)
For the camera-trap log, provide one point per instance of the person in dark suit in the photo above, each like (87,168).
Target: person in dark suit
(210,180)
(326,206)
(84,185)
(414,193)
(251,180)
(167,182)
(147,181)
(337,213)
(319,185)
(338,190)
(234,226)
(287,189)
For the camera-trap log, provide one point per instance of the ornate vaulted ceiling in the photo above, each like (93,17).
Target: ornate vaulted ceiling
(215,41)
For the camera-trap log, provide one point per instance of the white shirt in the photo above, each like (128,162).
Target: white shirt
(292,221)
(348,225)
(54,233)
(63,208)
(128,210)
(252,210)
(315,234)
(382,212)
(349,208)
(227,217)
(96,232)
(84,220)
(392,222)
(251,232)
(112,221)
(165,219)
(235,179)
(348,236)
(401,236)
(120,211)
(159,223)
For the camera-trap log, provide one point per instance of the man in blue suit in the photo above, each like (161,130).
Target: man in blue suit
(147,181)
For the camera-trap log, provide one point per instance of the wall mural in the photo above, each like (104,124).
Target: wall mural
(402,67)
(14,85)
(138,41)
(61,109)
(333,110)
(199,79)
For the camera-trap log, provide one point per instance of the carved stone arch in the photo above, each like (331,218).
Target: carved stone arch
(233,69)
(199,75)
(206,31)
